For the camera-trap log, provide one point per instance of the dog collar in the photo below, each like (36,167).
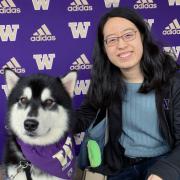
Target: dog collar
(57,159)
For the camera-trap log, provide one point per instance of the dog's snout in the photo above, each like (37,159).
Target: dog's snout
(31,125)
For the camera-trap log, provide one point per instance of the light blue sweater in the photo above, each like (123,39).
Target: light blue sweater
(141,136)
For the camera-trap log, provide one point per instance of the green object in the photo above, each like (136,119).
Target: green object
(94,153)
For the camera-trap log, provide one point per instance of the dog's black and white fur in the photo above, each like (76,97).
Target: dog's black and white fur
(39,113)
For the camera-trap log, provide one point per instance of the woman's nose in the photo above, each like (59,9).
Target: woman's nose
(121,43)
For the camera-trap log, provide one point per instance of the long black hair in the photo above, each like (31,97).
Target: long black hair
(156,65)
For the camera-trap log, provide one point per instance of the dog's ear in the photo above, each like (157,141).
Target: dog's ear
(69,82)
(11,79)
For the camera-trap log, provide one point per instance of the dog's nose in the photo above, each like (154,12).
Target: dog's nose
(30,125)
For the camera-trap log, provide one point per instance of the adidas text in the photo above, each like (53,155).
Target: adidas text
(80,8)
(171,32)
(10,10)
(17,70)
(43,38)
(80,66)
(145,6)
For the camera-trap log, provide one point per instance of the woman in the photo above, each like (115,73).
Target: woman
(137,83)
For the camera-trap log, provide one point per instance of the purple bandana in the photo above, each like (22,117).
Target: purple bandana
(57,159)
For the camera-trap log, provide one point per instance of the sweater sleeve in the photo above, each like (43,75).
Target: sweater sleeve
(169,166)
(84,116)
(165,169)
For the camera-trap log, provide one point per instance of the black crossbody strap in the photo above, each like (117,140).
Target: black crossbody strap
(28,173)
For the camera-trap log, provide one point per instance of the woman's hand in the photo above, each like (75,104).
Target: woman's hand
(154,177)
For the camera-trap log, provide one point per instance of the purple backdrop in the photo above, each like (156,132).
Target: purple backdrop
(55,36)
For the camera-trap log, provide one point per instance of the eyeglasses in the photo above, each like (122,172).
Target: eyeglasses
(113,41)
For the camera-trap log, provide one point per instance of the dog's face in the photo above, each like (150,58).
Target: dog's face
(39,106)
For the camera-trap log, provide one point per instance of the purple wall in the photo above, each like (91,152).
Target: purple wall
(55,36)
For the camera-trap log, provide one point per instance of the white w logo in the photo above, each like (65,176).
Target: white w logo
(174,50)
(81,87)
(44,61)
(38,4)
(150,22)
(5,89)
(109,3)
(79,138)
(79,29)
(65,152)
(174,2)
(8,32)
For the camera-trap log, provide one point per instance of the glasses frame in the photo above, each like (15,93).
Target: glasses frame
(120,37)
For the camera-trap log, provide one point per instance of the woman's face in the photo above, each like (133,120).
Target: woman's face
(123,43)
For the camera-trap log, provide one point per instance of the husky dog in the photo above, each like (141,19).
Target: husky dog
(39,120)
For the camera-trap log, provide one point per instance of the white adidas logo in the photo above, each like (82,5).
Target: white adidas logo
(14,65)
(43,34)
(79,5)
(172,28)
(8,7)
(145,4)
(81,63)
